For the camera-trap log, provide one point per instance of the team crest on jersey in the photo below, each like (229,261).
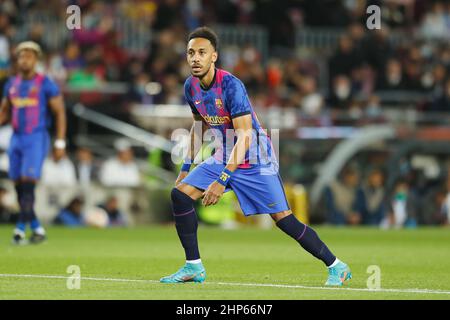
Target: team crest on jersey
(33,90)
(219,104)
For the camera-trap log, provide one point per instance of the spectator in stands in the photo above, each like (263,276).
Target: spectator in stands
(402,207)
(274,74)
(345,59)
(114,57)
(438,211)
(248,68)
(443,218)
(94,31)
(340,199)
(372,110)
(115,215)
(395,13)
(171,90)
(443,54)
(56,69)
(312,101)
(442,102)
(72,215)
(87,169)
(137,92)
(58,170)
(392,78)
(141,11)
(341,94)
(370,198)
(72,58)
(5,58)
(87,77)
(122,170)
(435,209)
(36,34)
(356,32)
(168,13)
(439,75)
(414,64)
(435,24)
(377,49)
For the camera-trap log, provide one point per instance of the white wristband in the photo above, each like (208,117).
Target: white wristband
(60,144)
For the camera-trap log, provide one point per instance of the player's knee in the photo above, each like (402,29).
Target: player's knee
(178,196)
(280,215)
(181,202)
(27,180)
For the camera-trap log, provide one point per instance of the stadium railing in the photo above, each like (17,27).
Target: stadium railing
(143,137)
(243,36)
(135,36)
(325,40)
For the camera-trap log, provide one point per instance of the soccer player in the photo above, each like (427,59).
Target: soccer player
(219,101)
(27,99)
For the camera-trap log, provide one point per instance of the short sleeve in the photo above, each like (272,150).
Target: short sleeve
(187,97)
(238,102)
(50,88)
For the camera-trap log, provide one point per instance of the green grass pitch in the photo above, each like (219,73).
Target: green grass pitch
(241,264)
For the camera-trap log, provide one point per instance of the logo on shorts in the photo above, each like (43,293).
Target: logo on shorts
(272,204)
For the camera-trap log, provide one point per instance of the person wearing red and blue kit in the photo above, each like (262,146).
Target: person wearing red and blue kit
(243,162)
(29,99)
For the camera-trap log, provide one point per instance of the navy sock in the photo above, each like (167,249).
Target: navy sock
(307,238)
(186,223)
(26,202)
(22,220)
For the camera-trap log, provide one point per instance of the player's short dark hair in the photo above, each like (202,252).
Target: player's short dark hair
(206,33)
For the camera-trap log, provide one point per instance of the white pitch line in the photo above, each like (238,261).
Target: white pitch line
(419,291)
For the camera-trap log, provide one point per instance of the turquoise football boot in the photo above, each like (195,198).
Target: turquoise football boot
(190,272)
(338,274)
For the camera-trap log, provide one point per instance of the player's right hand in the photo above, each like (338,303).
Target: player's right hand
(181,176)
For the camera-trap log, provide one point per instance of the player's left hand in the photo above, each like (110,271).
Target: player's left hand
(212,195)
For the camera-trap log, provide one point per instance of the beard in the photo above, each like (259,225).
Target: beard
(200,76)
(26,69)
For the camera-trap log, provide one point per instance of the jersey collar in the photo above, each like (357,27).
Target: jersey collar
(212,82)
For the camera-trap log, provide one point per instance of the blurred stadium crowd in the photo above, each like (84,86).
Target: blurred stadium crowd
(356,74)
(363,62)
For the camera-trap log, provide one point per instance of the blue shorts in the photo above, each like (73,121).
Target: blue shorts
(27,153)
(259,189)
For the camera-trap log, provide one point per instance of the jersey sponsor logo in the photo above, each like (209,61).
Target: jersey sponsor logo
(217,120)
(219,104)
(25,102)
(197,101)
